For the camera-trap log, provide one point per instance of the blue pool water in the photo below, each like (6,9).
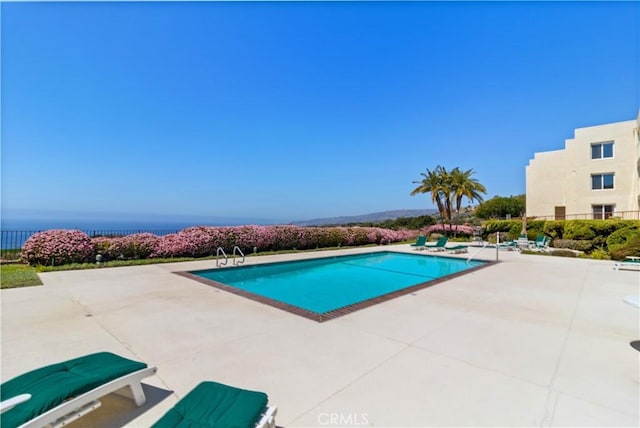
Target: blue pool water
(326,284)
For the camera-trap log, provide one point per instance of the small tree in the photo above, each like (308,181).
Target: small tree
(500,207)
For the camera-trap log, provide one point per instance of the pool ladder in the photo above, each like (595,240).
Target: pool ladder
(220,250)
(226,259)
(484,244)
(234,256)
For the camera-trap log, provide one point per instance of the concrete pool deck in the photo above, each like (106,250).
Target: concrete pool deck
(530,341)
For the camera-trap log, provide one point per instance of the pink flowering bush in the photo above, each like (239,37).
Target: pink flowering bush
(356,236)
(58,247)
(130,247)
(329,236)
(191,242)
(171,245)
(204,240)
(458,229)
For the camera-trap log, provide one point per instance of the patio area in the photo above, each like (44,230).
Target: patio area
(530,341)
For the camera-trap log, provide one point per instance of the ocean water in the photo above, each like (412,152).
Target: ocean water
(14,232)
(89,223)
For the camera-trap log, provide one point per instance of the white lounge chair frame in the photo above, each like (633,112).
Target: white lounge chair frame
(632,263)
(458,249)
(13,402)
(79,406)
(268,419)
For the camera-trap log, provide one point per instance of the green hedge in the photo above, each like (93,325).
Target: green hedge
(620,238)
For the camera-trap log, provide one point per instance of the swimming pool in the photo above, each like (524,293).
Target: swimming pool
(324,288)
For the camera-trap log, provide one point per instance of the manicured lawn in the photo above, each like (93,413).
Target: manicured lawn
(18,275)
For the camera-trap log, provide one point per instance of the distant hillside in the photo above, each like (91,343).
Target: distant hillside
(373,217)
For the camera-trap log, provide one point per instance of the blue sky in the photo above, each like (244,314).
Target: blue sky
(295,110)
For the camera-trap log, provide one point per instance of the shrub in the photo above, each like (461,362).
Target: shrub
(600,242)
(607,227)
(503,226)
(600,254)
(204,241)
(564,253)
(196,241)
(447,229)
(248,237)
(535,228)
(620,237)
(630,248)
(574,244)
(101,245)
(554,228)
(356,236)
(492,238)
(57,247)
(515,229)
(130,247)
(578,229)
(334,236)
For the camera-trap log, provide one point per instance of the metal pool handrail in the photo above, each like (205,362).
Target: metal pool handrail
(226,259)
(234,256)
(484,244)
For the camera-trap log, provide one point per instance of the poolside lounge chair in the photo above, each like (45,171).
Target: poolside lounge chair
(420,241)
(60,393)
(509,246)
(540,244)
(457,249)
(632,263)
(212,404)
(523,242)
(438,246)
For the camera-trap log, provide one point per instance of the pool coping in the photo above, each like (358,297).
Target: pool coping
(335,313)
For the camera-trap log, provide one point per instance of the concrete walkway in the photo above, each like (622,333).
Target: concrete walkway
(530,341)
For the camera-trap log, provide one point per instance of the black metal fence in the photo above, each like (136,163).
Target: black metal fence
(11,241)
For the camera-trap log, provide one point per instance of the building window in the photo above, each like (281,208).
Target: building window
(602,150)
(603,211)
(602,181)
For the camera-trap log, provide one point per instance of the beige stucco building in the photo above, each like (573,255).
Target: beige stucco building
(596,175)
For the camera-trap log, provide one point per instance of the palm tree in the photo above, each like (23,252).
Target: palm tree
(448,188)
(436,183)
(464,186)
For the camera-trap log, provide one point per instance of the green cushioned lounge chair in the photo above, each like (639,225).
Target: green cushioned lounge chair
(456,249)
(438,246)
(60,393)
(212,404)
(420,241)
(540,244)
(509,246)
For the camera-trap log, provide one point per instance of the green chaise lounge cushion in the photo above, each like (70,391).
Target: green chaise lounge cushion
(51,385)
(212,404)
(420,241)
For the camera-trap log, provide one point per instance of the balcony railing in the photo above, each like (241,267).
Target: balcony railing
(618,215)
